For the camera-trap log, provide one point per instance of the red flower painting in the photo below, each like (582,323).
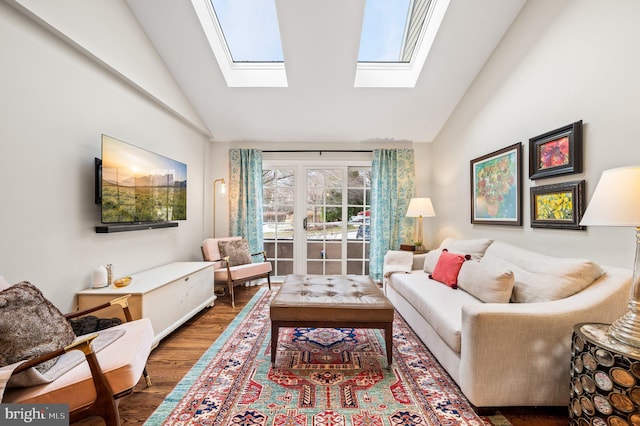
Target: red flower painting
(554,153)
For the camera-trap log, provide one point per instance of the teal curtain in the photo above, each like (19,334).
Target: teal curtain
(245,196)
(392,187)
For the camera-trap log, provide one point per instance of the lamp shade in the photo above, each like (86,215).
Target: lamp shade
(420,207)
(616,200)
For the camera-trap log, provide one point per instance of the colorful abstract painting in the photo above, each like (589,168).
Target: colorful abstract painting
(496,187)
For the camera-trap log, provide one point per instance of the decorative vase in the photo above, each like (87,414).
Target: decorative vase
(100,277)
(492,209)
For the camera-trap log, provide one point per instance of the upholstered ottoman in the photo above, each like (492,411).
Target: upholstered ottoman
(331,302)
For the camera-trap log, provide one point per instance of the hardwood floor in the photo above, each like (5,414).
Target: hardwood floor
(178,352)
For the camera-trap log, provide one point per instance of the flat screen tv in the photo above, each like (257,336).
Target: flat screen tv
(136,186)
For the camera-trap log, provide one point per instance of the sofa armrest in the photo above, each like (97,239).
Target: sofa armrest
(122,301)
(83,345)
(528,345)
(263,253)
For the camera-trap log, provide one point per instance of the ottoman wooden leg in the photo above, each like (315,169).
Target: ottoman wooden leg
(388,340)
(274,341)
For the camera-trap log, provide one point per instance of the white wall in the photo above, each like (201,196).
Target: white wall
(56,102)
(560,62)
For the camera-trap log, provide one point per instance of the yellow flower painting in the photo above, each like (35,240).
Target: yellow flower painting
(559,205)
(555,206)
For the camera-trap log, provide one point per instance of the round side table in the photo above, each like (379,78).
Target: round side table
(605,379)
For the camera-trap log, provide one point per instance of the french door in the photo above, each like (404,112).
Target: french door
(316,218)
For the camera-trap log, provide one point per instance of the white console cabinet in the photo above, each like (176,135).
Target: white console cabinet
(168,295)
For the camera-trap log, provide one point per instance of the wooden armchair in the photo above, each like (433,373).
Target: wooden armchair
(230,275)
(92,388)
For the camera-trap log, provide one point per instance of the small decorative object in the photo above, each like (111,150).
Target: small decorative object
(122,282)
(496,187)
(558,206)
(557,152)
(109,274)
(100,277)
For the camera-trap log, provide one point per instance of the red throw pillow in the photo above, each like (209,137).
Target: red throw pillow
(447,269)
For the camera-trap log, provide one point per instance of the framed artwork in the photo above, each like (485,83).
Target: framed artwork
(558,206)
(496,187)
(558,152)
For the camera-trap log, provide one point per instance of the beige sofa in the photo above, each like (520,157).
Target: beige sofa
(504,335)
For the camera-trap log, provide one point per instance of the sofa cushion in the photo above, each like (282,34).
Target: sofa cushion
(431,259)
(539,277)
(64,363)
(475,248)
(441,306)
(237,250)
(240,272)
(487,284)
(30,326)
(447,268)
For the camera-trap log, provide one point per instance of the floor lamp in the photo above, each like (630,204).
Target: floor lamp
(420,207)
(616,202)
(222,192)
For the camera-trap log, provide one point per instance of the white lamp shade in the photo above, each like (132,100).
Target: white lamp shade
(616,200)
(420,207)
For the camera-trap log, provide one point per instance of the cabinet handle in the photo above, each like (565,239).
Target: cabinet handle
(186,279)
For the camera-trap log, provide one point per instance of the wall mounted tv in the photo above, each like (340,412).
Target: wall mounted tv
(138,189)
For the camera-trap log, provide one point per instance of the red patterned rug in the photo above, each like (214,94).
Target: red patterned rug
(321,377)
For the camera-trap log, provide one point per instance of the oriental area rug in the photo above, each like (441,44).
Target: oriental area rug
(320,377)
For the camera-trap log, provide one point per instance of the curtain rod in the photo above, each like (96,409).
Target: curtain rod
(320,151)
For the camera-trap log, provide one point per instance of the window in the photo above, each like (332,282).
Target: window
(250,29)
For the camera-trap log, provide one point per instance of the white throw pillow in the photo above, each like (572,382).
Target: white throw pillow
(431,259)
(475,248)
(539,277)
(485,283)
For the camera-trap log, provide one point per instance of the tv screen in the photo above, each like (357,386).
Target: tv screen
(139,186)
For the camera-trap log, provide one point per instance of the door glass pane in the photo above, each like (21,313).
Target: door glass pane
(278,218)
(324,230)
(359,227)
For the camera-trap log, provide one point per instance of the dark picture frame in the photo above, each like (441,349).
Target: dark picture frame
(496,187)
(558,152)
(558,206)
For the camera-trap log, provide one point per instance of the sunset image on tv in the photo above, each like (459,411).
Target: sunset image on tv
(141,186)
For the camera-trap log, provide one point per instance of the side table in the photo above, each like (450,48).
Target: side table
(605,378)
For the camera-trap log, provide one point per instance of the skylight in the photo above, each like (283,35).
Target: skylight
(229,29)
(396,38)
(421,22)
(383,30)
(250,29)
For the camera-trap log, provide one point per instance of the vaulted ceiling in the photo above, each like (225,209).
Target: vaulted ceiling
(320,41)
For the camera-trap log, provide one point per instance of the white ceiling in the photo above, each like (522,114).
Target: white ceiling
(320,42)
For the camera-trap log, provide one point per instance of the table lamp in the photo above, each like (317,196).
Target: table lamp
(616,202)
(420,207)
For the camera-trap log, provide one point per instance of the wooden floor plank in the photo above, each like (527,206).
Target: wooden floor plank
(178,352)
